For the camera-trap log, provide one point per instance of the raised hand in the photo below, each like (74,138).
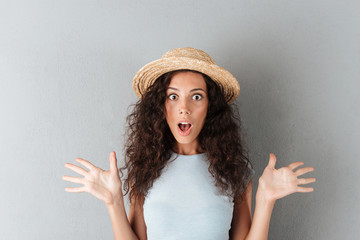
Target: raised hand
(105,185)
(278,183)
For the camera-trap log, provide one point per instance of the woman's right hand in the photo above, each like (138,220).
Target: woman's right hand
(105,185)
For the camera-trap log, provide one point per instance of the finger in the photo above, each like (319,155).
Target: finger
(73,179)
(294,165)
(303,181)
(86,163)
(302,171)
(272,161)
(304,189)
(113,162)
(77,169)
(75,190)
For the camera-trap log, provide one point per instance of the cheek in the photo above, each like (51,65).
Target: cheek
(204,116)
(169,112)
(167,109)
(203,111)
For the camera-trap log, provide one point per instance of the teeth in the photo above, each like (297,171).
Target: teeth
(184,123)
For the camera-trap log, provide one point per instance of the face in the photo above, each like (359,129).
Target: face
(186,108)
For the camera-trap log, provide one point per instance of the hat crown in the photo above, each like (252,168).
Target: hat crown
(188,52)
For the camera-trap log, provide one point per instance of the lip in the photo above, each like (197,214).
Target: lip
(184,120)
(181,132)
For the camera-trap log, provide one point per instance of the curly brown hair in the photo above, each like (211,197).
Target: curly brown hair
(150,139)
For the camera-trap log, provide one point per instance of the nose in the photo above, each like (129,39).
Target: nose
(184,111)
(184,108)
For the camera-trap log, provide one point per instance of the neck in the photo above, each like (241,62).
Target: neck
(186,149)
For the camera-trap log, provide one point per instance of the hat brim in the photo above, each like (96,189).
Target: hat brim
(146,76)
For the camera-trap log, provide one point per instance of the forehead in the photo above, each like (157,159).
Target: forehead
(187,80)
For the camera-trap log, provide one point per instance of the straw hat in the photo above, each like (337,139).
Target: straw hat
(186,58)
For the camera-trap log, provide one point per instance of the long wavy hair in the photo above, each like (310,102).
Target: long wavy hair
(150,139)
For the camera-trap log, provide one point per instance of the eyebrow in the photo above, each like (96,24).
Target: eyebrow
(193,90)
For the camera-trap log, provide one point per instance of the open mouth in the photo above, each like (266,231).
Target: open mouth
(184,128)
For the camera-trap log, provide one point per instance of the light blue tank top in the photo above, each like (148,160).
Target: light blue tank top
(185,204)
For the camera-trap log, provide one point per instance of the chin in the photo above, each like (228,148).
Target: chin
(183,139)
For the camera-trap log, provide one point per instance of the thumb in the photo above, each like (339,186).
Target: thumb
(113,162)
(272,161)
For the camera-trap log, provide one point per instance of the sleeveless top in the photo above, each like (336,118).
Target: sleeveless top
(184,202)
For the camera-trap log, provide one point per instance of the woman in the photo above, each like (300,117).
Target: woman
(188,174)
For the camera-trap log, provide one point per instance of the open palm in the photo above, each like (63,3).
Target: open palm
(104,185)
(278,183)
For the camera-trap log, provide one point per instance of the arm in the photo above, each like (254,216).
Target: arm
(260,226)
(241,221)
(242,227)
(106,186)
(273,184)
(136,217)
(120,224)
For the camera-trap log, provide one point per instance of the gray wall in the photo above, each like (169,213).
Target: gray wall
(65,85)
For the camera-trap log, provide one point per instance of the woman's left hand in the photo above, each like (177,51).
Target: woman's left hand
(278,183)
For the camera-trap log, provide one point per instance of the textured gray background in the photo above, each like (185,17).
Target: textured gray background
(65,85)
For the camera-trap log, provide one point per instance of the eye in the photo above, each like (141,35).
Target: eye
(197,97)
(172,96)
